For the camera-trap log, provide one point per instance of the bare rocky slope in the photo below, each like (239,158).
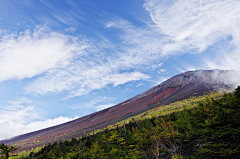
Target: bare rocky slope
(176,88)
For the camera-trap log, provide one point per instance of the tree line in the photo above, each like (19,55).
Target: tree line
(209,130)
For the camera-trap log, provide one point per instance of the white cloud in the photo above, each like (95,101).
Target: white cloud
(99,66)
(225,61)
(12,128)
(28,54)
(156,65)
(127,90)
(71,29)
(84,66)
(160,80)
(66,16)
(104,106)
(193,26)
(163,71)
(19,113)
(109,25)
(22,117)
(118,79)
(139,84)
(18,102)
(83,81)
(65,63)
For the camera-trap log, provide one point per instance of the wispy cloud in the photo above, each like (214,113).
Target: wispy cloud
(81,81)
(96,104)
(70,29)
(193,26)
(28,54)
(99,66)
(79,65)
(139,84)
(69,14)
(19,113)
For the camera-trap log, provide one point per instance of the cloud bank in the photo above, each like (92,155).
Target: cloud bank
(22,117)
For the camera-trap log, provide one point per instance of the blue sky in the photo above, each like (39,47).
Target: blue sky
(60,60)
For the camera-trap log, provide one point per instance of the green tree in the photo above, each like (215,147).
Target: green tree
(5,149)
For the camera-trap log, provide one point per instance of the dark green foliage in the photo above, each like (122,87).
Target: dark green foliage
(216,123)
(210,130)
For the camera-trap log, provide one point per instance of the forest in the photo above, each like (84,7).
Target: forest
(209,128)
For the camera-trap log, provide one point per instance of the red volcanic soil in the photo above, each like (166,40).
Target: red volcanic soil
(176,88)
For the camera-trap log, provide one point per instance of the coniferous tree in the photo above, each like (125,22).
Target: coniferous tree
(6,149)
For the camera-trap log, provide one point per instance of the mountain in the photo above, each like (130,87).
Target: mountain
(176,88)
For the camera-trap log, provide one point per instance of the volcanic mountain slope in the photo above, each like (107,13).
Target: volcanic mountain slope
(176,88)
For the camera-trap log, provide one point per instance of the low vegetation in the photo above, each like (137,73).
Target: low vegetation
(199,127)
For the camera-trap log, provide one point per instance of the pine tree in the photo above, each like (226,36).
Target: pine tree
(5,149)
